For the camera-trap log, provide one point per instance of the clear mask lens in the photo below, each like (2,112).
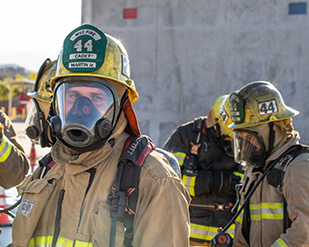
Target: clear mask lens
(81,107)
(248,148)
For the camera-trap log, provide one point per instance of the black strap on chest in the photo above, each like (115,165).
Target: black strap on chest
(123,198)
(190,164)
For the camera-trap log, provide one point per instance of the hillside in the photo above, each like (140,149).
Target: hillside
(11,70)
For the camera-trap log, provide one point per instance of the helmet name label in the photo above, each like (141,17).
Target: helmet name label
(83,56)
(268,107)
(82,65)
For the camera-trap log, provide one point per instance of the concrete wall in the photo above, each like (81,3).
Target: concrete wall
(186,53)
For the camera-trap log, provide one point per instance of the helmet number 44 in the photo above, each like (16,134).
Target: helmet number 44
(268,107)
(79,46)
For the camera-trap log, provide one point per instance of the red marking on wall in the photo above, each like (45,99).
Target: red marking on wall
(130,13)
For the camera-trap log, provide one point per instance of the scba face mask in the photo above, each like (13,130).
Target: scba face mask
(36,127)
(86,110)
(249,148)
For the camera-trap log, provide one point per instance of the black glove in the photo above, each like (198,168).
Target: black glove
(224,182)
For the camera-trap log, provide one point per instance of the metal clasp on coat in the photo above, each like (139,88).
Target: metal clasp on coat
(220,207)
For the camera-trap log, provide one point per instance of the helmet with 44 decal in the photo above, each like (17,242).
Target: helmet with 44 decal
(256,103)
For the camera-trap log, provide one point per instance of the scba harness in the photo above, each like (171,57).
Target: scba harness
(275,174)
(123,198)
(124,194)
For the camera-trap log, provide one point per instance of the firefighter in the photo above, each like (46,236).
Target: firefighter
(204,150)
(274,196)
(92,118)
(14,164)
(36,126)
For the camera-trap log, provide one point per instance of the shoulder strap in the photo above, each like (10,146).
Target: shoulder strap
(45,163)
(124,196)
(189,164)
(276,175)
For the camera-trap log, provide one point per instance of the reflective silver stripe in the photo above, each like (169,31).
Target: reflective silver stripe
(203,232)
(279,243)
(207,232)
(180,157)
(5,149)
(264,210)
(189,183)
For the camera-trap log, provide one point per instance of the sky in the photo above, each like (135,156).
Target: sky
(33,30)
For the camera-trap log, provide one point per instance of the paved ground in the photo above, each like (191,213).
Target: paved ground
(5,237)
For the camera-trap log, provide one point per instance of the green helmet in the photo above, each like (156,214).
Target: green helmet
(257,103)
(87,51)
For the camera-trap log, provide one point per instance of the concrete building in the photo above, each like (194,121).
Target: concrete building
(184,54)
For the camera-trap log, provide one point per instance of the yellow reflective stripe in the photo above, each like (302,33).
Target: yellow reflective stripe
(5,149)
(41,241)
(61,242)
(64,242)
(180,157)
(240,216)
(271,205)
(230,230)
(207,232)
(82,244)
(189,183)
(273,211)
(239,174)
(203,232)
(279,243)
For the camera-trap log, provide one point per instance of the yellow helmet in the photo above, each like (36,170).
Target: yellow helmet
(42,90)
(222,114)
(88,51)
(256,103)
(36,127)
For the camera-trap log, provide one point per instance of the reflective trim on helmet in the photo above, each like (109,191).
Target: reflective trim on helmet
(5,149)
(207,232)
(180,157)
(189,183)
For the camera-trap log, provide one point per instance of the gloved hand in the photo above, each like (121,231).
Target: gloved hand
(1,130)
(224,182)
